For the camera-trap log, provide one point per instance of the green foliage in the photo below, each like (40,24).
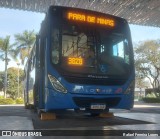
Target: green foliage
(4,101)
(151,95)
(24,43)
(13,82)
(147,63)
(6,50)
(19,101)
(1,80)
(151,100)
(1,97)
(5,47)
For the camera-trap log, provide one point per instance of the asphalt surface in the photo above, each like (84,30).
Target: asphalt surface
(141,117)
(70,119)
(14,111)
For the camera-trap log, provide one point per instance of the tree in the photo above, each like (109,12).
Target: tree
(13,82)
(141,83)
(6,50)
(24,43)
(147,62)
(1,80)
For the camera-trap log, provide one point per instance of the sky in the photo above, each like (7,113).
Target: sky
(16,21)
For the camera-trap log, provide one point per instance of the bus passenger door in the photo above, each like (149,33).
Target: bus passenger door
(39,84)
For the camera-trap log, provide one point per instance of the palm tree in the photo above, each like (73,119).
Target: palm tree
(6,50)
(24,43)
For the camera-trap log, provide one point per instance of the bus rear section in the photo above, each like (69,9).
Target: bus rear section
(87,62)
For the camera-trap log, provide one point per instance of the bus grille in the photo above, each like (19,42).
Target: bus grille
(87,101)
(93,81)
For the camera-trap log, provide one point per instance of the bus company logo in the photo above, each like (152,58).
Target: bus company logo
(106,91)
(119,90)
(98,90)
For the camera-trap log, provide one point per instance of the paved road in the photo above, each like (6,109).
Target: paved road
(18,110)
(14,110)
(71,119)
(143,116)
(68,119)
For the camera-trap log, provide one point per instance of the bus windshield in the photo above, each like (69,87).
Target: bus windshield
(90,50)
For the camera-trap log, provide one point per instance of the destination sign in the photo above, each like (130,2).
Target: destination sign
(75,61)
(90,19)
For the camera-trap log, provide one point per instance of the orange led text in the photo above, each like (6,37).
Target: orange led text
(75,61)
(91,19)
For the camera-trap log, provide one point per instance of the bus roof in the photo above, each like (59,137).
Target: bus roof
(86,10)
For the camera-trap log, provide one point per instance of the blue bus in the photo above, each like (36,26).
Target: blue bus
(82,60)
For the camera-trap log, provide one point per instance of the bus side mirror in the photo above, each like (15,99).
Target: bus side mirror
(37,40)
(126,48)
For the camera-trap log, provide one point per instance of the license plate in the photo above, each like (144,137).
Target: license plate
(98,106)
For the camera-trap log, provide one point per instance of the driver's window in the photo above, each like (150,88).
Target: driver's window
(120,50)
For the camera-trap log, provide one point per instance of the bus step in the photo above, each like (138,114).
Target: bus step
(48,116)
(106,115)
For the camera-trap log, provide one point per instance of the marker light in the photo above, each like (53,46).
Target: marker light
(56,84)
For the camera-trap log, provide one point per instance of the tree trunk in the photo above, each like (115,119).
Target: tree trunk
(5,80)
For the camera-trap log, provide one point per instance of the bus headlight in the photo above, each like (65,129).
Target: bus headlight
(56,84)
(130,88)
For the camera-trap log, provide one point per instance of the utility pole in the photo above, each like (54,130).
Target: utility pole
(18,78)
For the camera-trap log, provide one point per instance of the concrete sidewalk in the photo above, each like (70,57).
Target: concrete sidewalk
(15,117)
(15,123)
(141,104)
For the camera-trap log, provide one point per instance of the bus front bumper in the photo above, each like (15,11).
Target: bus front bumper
(56,100)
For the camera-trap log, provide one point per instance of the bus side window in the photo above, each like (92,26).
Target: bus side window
(55,46)
(42,45)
